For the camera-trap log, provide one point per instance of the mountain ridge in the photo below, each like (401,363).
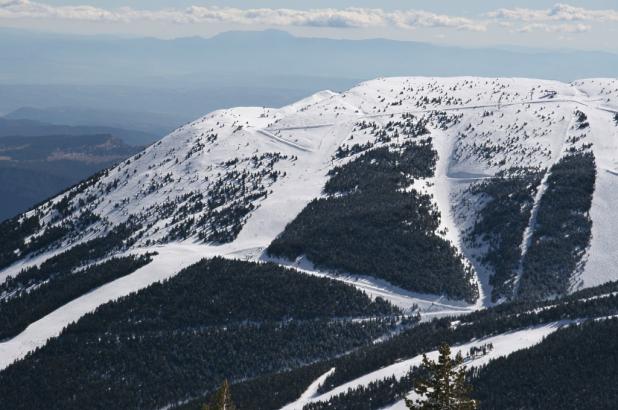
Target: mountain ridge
(231,182)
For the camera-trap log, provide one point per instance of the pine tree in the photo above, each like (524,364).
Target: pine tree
(445,387)
(222,400)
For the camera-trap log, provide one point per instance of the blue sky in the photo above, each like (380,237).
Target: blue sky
(572,24)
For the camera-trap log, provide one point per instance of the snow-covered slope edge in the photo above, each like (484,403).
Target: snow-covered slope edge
(503,345)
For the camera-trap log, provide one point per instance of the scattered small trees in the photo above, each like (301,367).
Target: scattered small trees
(445,387)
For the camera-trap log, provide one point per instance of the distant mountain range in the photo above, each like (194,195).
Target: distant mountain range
(33,128)
(242,57)
(135,128)
(182,78)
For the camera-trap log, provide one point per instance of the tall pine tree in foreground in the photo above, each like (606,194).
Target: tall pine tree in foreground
(222,400)
(445,387)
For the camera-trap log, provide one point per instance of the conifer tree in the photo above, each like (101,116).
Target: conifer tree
(222,400)
(445,387)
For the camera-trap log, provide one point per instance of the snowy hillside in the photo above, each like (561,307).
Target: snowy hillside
(486,154)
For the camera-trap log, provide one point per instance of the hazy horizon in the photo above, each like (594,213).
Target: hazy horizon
(547,24)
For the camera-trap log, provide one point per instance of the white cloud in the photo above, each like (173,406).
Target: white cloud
(554,28)
(425,19)
(330,17)
(352,17)
(28,9)
(558,13)
(561,18)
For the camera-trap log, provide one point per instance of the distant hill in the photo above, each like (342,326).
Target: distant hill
(39,159)
(35,168)
(32,128)
(145,127)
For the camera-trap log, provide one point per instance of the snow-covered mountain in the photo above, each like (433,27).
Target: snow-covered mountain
(472,191)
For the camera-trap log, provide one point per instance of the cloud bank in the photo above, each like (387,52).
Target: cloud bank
(559,18)
(330,17)
(558,13)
